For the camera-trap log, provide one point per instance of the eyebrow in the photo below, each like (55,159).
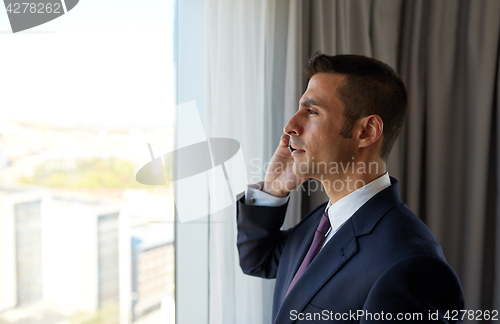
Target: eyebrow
(309,102)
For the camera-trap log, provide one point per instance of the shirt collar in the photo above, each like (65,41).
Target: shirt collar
(343,209)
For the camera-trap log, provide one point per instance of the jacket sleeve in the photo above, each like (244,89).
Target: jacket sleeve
(421,284)
(260,240)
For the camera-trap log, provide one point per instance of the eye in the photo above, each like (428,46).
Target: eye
(311,112)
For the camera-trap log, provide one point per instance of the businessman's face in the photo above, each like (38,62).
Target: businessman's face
(315,130)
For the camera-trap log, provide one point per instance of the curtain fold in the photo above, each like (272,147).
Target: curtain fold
(494,198)
(234,108)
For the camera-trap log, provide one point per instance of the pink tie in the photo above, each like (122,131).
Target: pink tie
(317,243)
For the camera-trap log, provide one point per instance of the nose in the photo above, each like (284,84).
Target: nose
(293,127)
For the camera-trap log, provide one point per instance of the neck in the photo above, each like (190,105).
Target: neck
(338,186)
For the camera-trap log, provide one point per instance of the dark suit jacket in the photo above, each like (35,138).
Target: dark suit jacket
(383,259)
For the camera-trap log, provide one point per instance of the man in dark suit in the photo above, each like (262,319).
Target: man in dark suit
(364,256)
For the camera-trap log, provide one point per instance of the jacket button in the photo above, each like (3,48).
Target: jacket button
(342,252)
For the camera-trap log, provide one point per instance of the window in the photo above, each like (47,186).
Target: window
(81,241)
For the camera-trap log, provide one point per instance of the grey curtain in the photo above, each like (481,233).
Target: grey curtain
(447,156)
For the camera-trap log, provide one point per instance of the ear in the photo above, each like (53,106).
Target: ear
(371,128)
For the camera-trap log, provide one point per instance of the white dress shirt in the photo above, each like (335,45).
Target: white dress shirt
(338,213)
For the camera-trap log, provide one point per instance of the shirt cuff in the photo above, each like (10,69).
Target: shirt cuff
(256,197)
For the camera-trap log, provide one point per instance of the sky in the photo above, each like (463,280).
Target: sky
(102,63)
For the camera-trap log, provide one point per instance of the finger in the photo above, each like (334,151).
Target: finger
(284,140)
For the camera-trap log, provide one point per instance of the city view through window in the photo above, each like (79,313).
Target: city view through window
(81,241)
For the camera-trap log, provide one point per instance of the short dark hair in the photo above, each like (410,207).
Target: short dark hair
(370,87)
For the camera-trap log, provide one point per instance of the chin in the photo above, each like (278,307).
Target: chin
(297,170)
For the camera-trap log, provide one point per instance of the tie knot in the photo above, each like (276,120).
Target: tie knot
(324,224)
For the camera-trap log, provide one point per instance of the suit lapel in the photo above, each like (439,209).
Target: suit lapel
(341,247)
